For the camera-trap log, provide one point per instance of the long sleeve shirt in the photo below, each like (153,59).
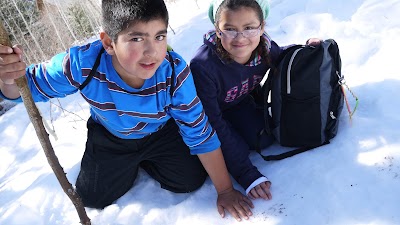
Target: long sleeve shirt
(127,112)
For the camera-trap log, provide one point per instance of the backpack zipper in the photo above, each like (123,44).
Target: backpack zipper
(289,88)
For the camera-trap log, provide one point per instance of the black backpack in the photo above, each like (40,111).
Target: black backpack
(303,97)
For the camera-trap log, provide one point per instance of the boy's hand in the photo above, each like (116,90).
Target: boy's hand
(237,204)
(313,41)
(11,65)
(262,190)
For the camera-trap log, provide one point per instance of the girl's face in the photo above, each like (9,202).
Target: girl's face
(240,32)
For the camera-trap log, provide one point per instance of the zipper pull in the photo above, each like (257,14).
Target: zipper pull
(332,116)
(341,80)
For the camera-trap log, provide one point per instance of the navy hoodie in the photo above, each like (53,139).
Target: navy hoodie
(221,85)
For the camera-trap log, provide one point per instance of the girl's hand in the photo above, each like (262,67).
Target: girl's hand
(262,190)
(313,41)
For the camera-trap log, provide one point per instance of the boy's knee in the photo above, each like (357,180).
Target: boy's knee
(189,185)
(93,201)
(94,198)
(196,185)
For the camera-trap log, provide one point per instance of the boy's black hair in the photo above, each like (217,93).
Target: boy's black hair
(236,5)
(120,14)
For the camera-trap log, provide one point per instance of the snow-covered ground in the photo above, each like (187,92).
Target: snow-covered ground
(354,180)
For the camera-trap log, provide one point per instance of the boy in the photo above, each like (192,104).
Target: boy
(140,99)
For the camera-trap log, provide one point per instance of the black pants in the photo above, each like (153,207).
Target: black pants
(110,164)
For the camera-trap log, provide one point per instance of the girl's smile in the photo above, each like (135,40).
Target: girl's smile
(240,32)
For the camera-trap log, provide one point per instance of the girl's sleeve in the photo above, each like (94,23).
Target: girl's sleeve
(233,146)
(276,52)
(207,90)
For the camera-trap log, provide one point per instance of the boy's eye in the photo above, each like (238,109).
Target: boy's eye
(161,37)
(137,39)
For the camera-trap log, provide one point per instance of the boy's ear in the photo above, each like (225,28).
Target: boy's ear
(107,42)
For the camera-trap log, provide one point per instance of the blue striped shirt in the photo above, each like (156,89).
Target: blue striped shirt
(127,112)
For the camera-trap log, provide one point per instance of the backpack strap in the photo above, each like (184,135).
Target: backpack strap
(289,153)
(334,52)
(266,88)
(93,71)
(171,61)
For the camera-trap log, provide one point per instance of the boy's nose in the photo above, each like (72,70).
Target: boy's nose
(150,49)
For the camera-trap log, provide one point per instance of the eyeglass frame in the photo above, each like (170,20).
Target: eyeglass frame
(223,33)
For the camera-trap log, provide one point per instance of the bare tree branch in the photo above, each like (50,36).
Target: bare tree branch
(43,136)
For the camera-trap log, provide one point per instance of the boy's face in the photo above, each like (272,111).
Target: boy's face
(139,51)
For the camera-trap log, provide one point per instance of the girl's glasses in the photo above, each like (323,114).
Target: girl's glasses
(232,34)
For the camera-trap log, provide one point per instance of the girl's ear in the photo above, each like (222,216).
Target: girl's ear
(107,42)
(217,30)
(262,28)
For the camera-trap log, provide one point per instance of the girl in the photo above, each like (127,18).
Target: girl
(227,70)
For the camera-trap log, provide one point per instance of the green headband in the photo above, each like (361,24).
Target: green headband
(214,5)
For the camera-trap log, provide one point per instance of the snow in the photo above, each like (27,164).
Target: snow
(354,180)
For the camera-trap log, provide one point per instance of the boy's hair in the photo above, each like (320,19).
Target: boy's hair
(236,5)
(120,14)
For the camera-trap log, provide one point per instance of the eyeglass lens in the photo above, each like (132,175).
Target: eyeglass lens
(246,33)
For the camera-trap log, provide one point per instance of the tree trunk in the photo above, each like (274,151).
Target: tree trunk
(43,136)
(40,5)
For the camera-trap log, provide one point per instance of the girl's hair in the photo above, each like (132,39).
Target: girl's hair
(234,5)
(120,14)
